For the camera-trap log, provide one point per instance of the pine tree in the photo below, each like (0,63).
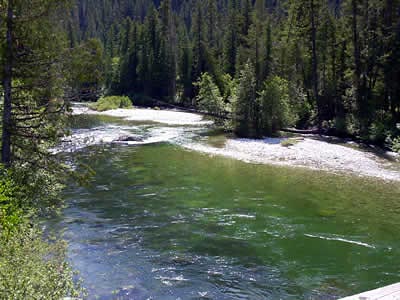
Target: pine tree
(185,67)
(130,63)
(230,50)
(209,98)
(87,71)
(274,105)
(33,82)
(169,43)
(246,107)
(198,37)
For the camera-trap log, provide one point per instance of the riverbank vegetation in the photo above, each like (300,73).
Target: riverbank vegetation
(31,265)
(35,84)
(338,60)
(111,102)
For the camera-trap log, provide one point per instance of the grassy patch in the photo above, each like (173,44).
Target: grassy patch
(111,102)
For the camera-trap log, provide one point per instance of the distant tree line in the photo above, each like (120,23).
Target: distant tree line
(336,63)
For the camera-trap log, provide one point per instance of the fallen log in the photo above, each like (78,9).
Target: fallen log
(303,131)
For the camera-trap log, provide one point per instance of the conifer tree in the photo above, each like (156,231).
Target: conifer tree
(33,82)
(246,106)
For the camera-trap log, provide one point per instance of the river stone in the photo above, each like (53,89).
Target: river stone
(129,138)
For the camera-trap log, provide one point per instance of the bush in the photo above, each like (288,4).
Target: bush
(111,102)
(10,212)
(396,144)
(31,268)
(378,132)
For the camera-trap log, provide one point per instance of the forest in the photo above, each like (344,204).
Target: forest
(266,65)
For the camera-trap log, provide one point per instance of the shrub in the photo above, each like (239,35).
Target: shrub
(111,102)
(396,144)
(31,268)
(10,213)
(377,132)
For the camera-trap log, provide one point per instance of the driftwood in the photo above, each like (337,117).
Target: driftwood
(323,131)
(304,131)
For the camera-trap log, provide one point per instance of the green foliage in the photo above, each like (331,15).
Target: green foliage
(274,104)
(111,102)
(33,94)
(246,106)
(10,211)
(263,115)
(113,74)
(38,191)
(396,144)
(342,65)
(377,132)
(87,70)
(27,193)
(32,268)
(37,84)
(209,97)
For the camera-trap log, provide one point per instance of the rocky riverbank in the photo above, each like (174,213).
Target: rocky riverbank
(310,151)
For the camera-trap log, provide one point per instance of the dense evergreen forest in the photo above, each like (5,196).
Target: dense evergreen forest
(257,67)
(333,65)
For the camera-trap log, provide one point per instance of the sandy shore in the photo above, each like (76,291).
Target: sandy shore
(169,117)
(310,152)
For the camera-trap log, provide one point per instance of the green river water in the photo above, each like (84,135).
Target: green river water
(161,222)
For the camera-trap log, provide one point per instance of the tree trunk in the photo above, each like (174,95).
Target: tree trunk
(7,86)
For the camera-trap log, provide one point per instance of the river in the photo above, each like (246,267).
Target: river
(159,221)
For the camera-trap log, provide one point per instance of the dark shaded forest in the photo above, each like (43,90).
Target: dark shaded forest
(337,62)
